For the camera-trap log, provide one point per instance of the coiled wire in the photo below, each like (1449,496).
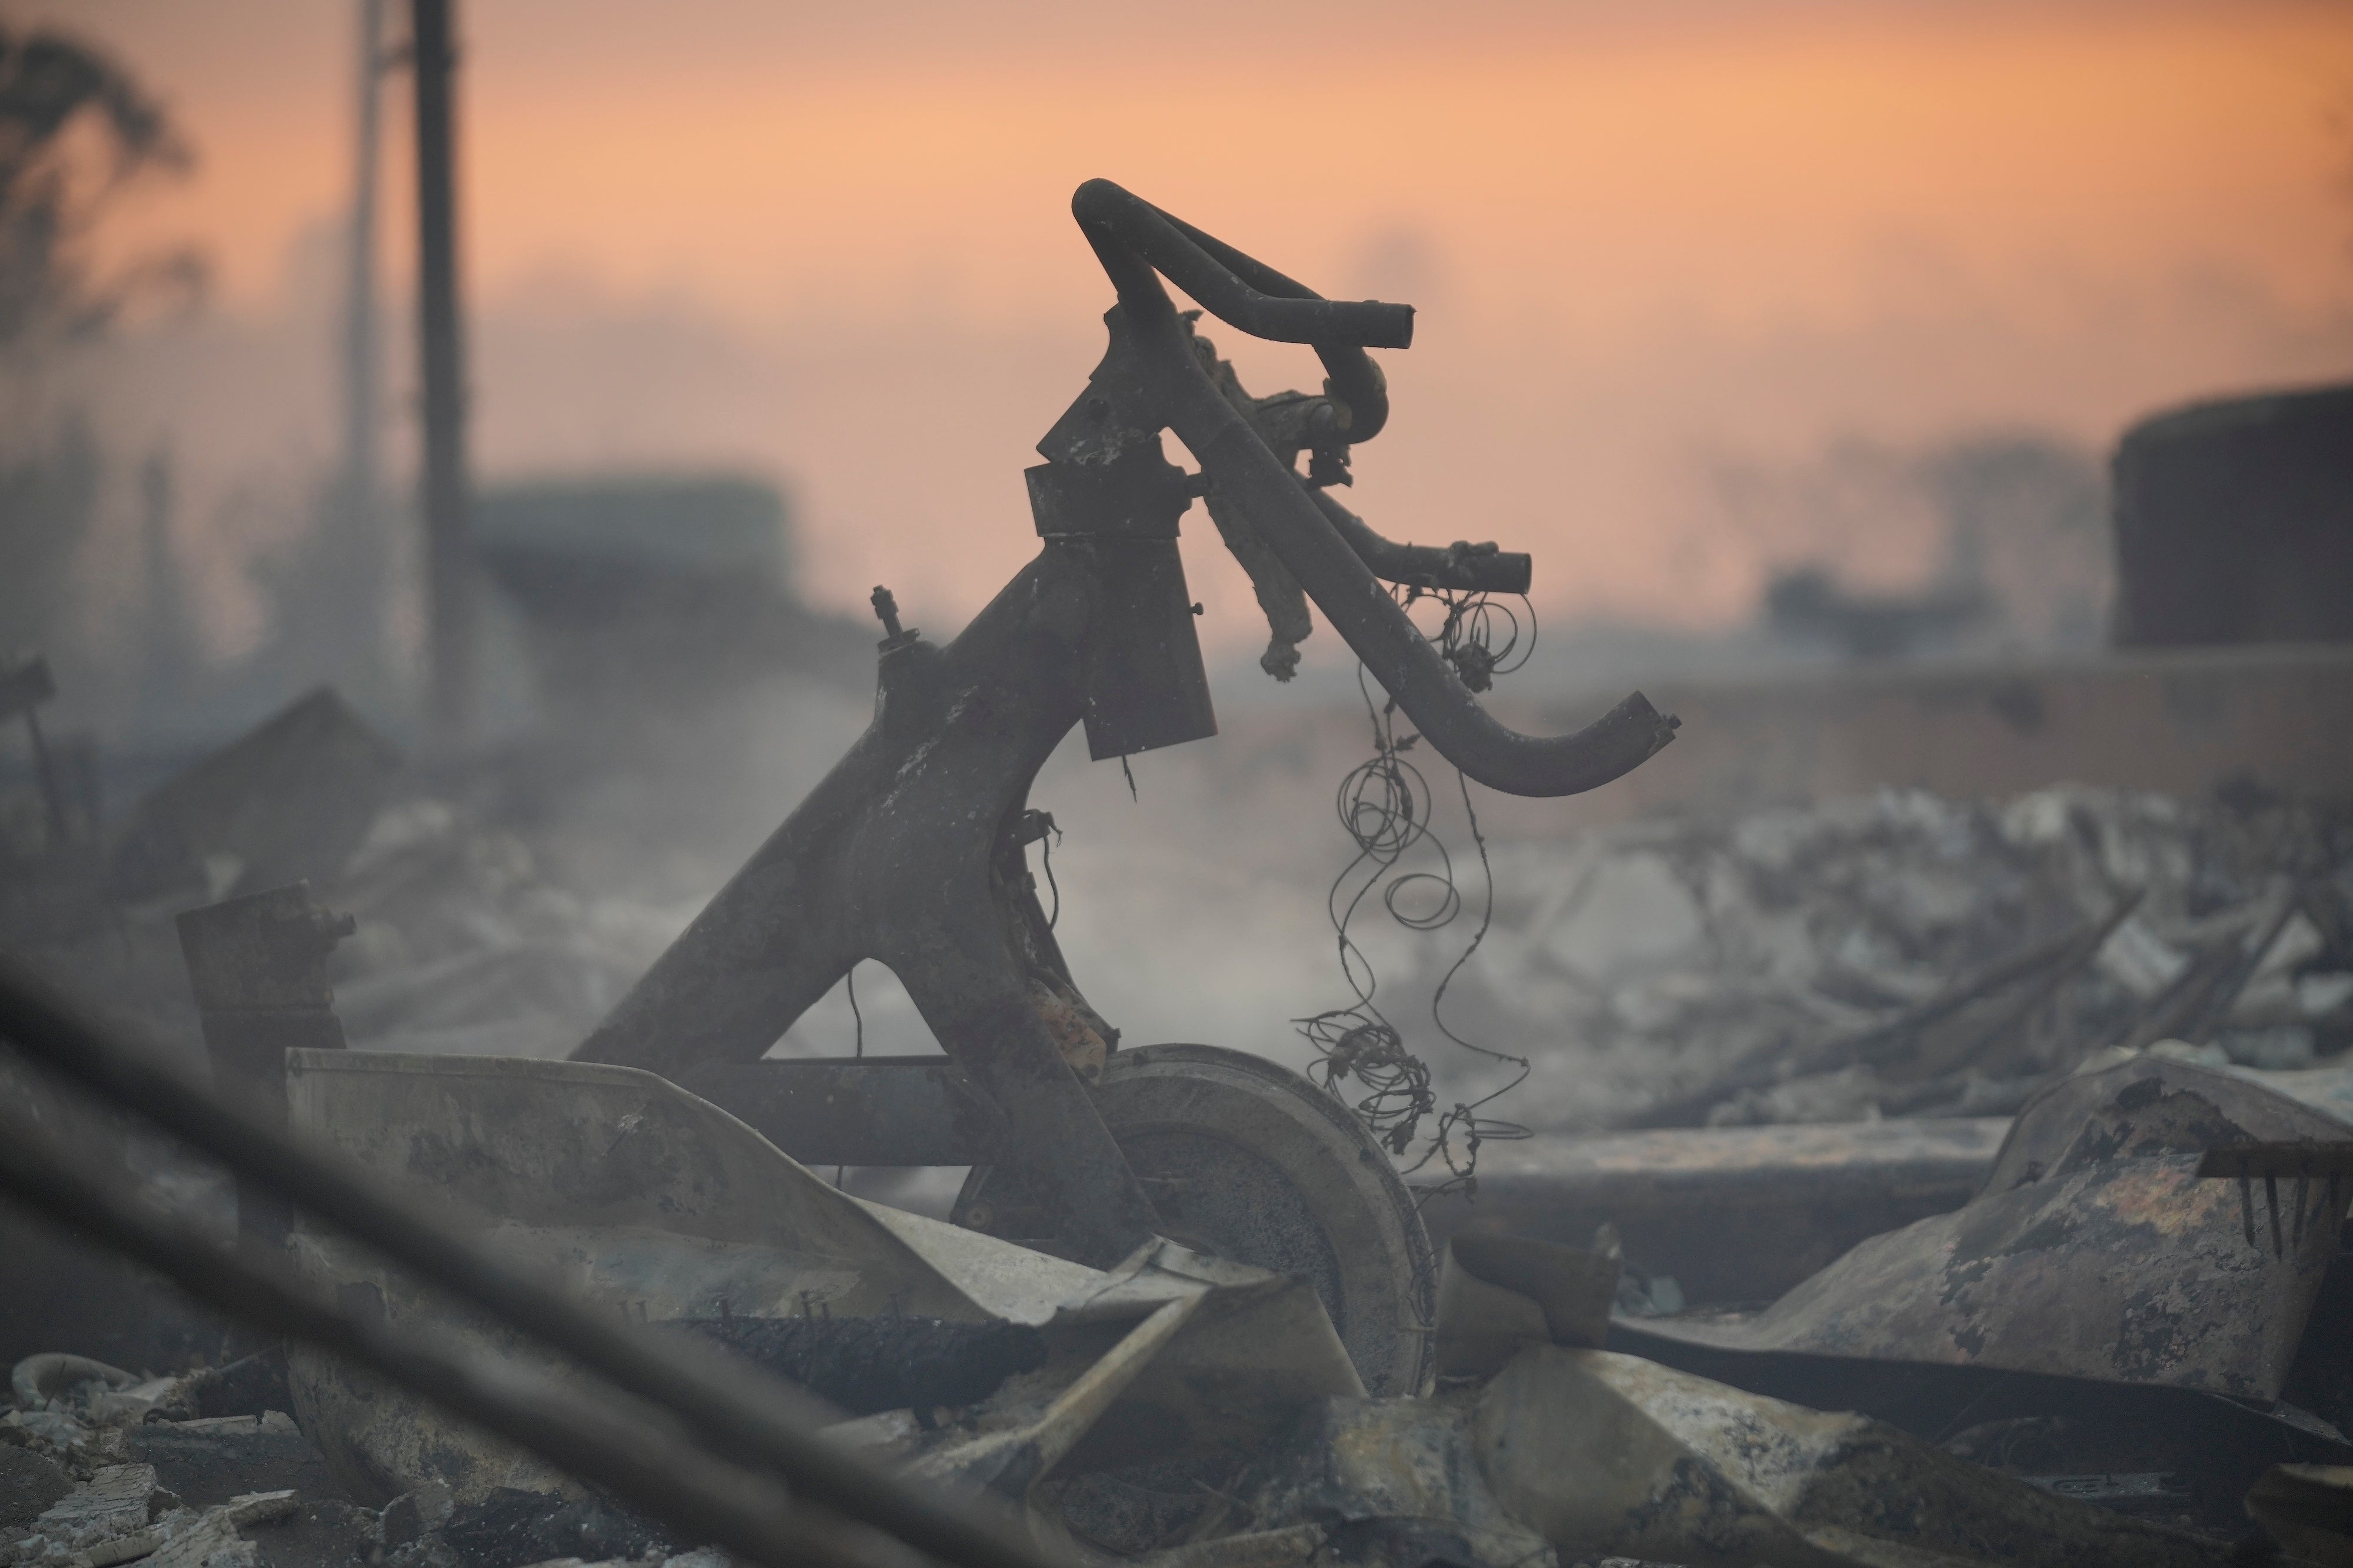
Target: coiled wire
(1384,804)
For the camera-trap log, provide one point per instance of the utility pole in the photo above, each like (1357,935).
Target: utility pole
(449,501)
(359,504)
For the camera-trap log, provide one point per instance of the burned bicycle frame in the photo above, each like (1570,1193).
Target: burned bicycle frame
(912,850)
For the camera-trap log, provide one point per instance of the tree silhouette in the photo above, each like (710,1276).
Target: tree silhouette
(56,183)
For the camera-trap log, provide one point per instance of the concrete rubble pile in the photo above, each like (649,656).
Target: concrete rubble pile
(1903,954)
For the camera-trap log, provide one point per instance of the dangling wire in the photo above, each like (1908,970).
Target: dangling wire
(1046,842)
(1384,806)
(858,1049)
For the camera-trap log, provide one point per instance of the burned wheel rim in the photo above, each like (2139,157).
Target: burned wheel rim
(1250,1161)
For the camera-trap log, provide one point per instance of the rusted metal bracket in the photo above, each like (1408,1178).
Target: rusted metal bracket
(2308,1161)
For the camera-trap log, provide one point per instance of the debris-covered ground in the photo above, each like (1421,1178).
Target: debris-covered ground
(1889,955)
(205,1469)
(1862,957)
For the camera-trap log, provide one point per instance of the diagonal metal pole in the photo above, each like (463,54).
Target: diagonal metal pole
(733,1409)
(637,1454)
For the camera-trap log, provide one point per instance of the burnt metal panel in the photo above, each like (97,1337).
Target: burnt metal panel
(1733,1214)
(2096,1252)
(874,1110)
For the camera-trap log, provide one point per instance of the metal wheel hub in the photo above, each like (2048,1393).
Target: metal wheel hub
(1248,1160)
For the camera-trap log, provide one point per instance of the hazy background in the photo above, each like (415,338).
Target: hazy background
(1703,285)
(1710,291)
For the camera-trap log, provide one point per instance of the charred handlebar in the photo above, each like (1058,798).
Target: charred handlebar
(1251,295)
(1335,558)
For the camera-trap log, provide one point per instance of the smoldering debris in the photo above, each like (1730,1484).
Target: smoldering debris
(88,1481)
(1903,954)
(1183,1410)
(462,943)
(1895,956)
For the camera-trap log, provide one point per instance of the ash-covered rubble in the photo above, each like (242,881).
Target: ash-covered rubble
(1904,954)
(204,1468)
(466,942)
(463,944)
(1893,955)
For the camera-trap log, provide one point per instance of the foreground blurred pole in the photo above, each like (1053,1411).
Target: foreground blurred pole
(737,1419)
(448,549)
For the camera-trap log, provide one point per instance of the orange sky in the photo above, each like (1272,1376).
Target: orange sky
(837,247)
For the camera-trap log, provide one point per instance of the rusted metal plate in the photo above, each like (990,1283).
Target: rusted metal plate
(2096,1252)
(1735,1214)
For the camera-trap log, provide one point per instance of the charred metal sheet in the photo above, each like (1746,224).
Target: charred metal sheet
(1244,1158)
(2095,1251)
(2138,1108)
(1611,1456)
(653,1203)
(1733,1214)
(1499,1294)
(287,802)
(2328,1089)
(871,1111)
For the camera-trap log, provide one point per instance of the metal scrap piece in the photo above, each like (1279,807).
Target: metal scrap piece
(2101,1167)
(1498,1294)
(1611,1456)
(660,1206)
